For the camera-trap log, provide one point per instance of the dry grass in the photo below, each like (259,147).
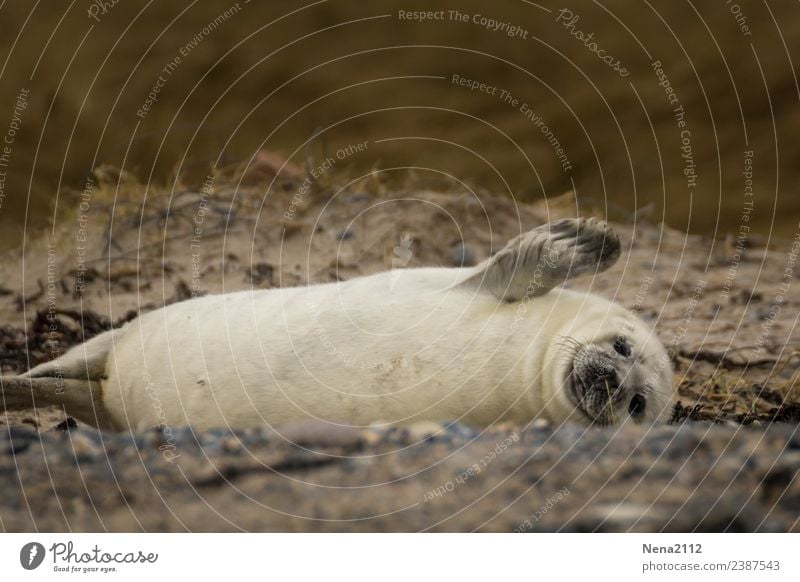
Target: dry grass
(740,395)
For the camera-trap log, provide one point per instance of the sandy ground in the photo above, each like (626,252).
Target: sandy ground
(727,310)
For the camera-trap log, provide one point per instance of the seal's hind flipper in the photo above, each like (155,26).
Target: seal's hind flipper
(71,381)
(79,398)
(86,361)
(536,261)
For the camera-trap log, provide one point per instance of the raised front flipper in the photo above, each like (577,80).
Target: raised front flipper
(536,261)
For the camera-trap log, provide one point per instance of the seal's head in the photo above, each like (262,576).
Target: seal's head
(614,370)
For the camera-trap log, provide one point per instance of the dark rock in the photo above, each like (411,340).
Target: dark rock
(345,234)
(68,423)
(261,274)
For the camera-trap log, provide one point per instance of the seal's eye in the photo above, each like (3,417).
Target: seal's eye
(637,405)
(622,347)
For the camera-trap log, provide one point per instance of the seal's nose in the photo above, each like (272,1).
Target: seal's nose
(607,379)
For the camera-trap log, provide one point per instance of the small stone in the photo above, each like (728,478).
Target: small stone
(540,424)
(261,273)
(231,445)
(419,431)
(213,437)
(461,255)
(462,431)
(83,447)
(345,234)
(622,515)
(373,436)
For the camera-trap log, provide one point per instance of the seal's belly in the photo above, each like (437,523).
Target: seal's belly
(392,347)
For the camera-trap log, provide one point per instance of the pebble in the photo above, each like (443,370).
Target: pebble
(84,447)
(345,234)
(540,424)
(419,431)
(17,439)
(261,273)
(232,445)
(316,432)
(623,515)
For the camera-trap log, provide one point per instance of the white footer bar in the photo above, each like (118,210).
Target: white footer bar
(401,557)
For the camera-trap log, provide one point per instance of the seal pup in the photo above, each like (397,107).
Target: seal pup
(500,341)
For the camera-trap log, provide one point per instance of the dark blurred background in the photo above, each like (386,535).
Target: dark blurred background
(270,75)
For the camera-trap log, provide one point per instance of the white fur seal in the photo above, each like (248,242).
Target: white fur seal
(495,342)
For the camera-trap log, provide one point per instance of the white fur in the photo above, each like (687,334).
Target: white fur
(395,347)
(479,345)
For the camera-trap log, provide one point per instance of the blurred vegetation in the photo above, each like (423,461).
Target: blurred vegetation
(306,79)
